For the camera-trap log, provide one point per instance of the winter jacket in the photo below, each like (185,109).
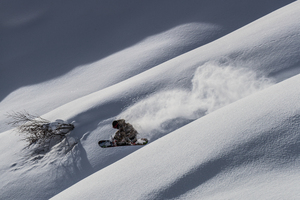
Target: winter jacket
(126,133)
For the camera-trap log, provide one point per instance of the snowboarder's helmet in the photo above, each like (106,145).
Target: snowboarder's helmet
(115,124)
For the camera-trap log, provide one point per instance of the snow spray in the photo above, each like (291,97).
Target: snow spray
(213,86)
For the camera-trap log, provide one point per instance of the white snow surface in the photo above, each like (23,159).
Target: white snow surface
(213,85)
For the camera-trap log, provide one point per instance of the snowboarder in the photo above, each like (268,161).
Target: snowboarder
(126,133)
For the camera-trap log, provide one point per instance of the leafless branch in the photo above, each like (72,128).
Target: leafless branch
(36,129)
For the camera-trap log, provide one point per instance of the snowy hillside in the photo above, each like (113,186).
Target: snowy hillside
(248,150)
(212,84)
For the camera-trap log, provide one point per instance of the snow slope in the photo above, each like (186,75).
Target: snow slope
(153,79)
(247,150)
(73,49)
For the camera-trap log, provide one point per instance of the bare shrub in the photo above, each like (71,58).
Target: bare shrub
(39,131)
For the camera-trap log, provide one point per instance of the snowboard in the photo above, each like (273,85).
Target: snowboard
(109,143)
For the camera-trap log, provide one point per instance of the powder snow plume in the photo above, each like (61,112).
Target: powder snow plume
(212,87)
